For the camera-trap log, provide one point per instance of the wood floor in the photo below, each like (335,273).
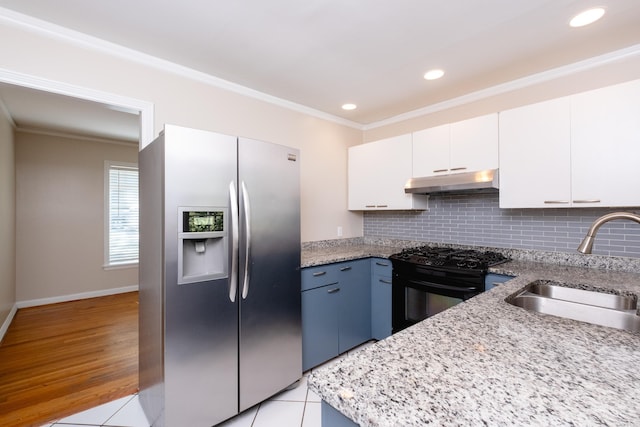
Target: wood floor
(59,359)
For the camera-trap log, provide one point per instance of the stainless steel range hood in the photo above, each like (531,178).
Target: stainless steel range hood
(481,181)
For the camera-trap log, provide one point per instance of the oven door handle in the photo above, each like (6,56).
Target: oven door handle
(429,285)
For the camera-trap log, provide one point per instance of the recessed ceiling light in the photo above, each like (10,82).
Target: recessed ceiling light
(433,74)
(349,107)
(587,17)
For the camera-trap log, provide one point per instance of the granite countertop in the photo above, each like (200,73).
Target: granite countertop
(330,254)
(486,362)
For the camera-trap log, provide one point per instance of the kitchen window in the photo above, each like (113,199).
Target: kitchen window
(121,205)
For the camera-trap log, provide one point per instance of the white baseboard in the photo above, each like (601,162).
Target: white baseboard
(73,297)
(7,321)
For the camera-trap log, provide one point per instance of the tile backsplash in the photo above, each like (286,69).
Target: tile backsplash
(476,219)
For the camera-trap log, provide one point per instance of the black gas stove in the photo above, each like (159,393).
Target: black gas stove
(449,258)
(428,280)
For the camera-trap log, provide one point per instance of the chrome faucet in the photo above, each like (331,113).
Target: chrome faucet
(587,244)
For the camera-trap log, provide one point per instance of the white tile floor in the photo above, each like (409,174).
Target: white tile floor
(299,407)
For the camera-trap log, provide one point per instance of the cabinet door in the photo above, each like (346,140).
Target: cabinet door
(492,280)
(431,151)
(535,155)
(378,172)
(605,146)
(320,307)
(474,144)
(381,298)
(355,303)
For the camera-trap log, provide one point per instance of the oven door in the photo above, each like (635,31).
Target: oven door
(415,300)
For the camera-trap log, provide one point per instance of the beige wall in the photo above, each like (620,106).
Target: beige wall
(7,219)
(60,216)
(195,103)
(188,102)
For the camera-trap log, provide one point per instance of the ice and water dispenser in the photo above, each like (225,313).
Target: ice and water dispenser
(202,244)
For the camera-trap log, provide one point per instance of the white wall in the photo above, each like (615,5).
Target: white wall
(7,220)
(193,103)
(60,216)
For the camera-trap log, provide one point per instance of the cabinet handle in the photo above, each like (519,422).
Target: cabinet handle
(369,206)
(319,273)
(382,264)
(381,206)
(587,201)
(459,169)
(388,282)
(440,170)
(333,291)
(345,268)
(556,202)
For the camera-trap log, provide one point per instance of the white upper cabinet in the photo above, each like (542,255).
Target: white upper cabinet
(535,155)
(378,172)
(577,151)
(431,151)
(605,146)
(465,146)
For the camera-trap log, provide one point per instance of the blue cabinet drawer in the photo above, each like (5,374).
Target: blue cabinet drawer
(322,275)
(381,267)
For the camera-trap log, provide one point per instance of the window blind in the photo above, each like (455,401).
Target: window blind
(123,215)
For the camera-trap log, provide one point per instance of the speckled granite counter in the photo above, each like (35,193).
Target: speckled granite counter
(327,255)
(486,362)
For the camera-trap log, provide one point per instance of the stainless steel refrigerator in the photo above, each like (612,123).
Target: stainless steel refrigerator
(220,322)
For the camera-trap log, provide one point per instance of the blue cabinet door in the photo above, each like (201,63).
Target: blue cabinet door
(380,298)
(354,278)
(492,280)
(320,307)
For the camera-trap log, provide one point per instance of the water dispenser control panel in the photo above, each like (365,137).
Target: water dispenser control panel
(202,244)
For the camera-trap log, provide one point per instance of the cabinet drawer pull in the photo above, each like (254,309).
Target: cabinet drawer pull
(333,291)
(319,273)
(345,268)
(388,282)
(381,206)
(556,202)
(440,170)
(459,169)
(369,206)
(382,264)
(587,201)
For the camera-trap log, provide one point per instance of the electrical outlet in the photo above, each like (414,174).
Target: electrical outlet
(339,231)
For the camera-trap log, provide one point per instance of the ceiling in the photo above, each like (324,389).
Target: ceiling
(321,54)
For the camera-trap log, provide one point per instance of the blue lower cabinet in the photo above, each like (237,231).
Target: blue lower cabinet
(492,280)
(355,304)
(336,313)
(320,308)
(331,417)
(380,298)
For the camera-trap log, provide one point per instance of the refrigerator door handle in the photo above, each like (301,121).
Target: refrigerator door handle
(247,244)
(233,206)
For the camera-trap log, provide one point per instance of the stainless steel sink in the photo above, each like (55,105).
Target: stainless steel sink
(599,308)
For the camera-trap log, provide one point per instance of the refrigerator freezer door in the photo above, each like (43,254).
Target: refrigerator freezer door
(201,331)
(270,318)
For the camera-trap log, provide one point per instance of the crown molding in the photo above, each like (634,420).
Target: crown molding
(74,136)
(512,85)
(78,38)
(58,32)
